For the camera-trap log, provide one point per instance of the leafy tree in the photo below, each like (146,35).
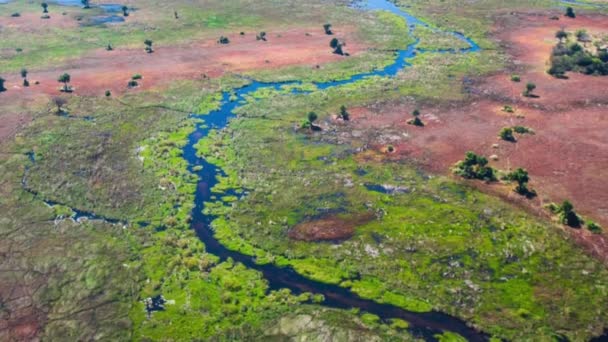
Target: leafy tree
(223,40)
(65,79)
(108,93)
(568,216)
(334,43)
(109,47)
(570,12)
(148,44)
(338,50)
(24,73)
(261,36)
(327,28)
(312,117)
(515,78)
(475,167)
(416,120)
(85,3)
(529,89)
(506,134)
(344,113)
(45,7)
(416,112)
(2,88)
(521,177)
(561,35)
(125,11)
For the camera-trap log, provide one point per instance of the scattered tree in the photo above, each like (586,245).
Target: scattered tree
(570,12)
(475,167)
(416,120)
(109,47)
(561,35)
(334,42)
(16,15)
(65,79)
(223,40)
(568,216)
(59,102)
(327,28)
(312,117)
(261,36)
(125,11)
(515,78)
(85,3)
(2,88)
(26,83)
(344,115)
(175,15)
(506,134)
(132,84)
(522,178)
(529,89)
(148,44)
(45,7)
(108,93)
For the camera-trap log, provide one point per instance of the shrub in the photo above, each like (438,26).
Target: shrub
(515,78)
(568,216)
(2,88)
(136,77)
(223,40)
(327,29)
(594,227)
(475,167)
(506,134)
(570,12)
(523,130)
(508,109)
(529,89)
(16,15)
(344,113)
(108,93)
(261,36)
(132,84)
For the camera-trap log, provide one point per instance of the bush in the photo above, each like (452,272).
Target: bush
(223,40)
(507,134)
(515,78)
(594,227)
(132,84)
(136,77)
(475,167)
(16,15)
(108,93)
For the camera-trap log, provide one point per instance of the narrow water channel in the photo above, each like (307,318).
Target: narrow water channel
(424,325)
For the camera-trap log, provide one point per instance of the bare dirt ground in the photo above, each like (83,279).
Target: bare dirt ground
(332,228)
(111,70)
(566,157)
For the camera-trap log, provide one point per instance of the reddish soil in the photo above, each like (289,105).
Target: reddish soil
(32,23)
(101,69)
(331,228)
(567,156)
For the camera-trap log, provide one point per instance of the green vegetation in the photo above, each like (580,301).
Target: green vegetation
(528,92)
(521,177)
(515,78)
(416,120)
(2,81)
(65,79)
(506,134)
(260,36)
(327,29)
(570,12)
(344,115)
(148,44)
(572,56)
(475,167)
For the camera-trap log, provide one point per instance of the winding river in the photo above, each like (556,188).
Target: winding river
(424,325)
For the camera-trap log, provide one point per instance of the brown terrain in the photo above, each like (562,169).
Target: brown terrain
(111,70)
(330,228)
(567,156)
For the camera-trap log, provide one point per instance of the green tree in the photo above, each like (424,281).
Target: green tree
(570,12)
(2,88)
(506,134)
(223,40)
(109,47)
(148,44)
(522,178)
(529,89)
(125,11)
(45,7)
(24,73)
(312,117)
(334,43)
(85,3)
(261,36)
(561,35)
(65,79)
(344,113)
(327,29)
(568,216)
